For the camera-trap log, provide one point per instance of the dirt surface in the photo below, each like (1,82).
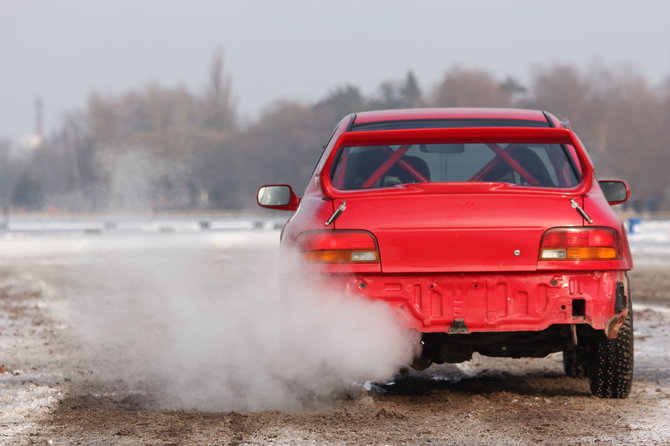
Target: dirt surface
(49,394)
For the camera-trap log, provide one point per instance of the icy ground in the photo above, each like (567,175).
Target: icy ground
(650,242)
(51,394)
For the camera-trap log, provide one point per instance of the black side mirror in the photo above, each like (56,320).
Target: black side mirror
(616,192)
(277,196)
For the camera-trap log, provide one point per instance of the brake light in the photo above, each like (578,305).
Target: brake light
(580,244)
(333,246)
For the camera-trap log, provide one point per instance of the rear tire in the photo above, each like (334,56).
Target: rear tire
(611,363)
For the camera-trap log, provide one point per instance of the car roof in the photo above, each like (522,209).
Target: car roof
(451,117)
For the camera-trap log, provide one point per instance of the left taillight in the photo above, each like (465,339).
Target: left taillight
(580,244)
(339,247)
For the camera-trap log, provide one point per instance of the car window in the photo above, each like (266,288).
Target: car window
(528,164)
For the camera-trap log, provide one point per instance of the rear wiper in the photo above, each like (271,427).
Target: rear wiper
(580,211)
(341,208)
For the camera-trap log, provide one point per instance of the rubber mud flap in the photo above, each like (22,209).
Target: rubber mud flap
(611,363)
(621,301)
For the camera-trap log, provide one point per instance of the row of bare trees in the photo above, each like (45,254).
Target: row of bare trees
(170,148)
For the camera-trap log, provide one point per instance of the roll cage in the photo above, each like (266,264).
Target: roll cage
(395,158)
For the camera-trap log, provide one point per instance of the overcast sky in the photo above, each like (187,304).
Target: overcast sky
(64,49)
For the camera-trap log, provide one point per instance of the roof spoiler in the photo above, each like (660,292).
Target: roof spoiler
(459,135)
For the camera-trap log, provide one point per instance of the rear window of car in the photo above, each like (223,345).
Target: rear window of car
(528,164)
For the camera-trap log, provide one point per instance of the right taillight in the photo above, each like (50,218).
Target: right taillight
(580,244)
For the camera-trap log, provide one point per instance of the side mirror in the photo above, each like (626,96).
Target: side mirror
(616,192)
(277,196)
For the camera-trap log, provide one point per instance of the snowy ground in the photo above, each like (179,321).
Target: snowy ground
(68,286)
(650,242)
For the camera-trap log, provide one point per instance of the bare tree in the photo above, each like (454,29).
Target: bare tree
(219,107)
(206,159)
(470,88)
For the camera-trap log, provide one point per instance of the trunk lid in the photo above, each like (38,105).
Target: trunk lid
(420,233)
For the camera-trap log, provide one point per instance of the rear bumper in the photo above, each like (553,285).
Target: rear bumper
(484,302)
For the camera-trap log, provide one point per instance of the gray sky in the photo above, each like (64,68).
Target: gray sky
(291,49)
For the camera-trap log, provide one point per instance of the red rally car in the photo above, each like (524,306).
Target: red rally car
(486,229)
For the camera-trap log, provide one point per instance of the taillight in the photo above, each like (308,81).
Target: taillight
(580,244)
(333,246)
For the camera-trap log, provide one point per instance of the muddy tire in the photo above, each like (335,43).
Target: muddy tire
(575,364)
(611,363)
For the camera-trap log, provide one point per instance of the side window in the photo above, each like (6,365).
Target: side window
(338,130)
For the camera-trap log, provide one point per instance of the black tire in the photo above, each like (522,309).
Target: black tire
(611,363)
(575,364)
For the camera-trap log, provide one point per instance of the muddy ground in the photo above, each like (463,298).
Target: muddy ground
(50,395)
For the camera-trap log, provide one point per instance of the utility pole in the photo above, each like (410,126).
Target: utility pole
(6,182)
(73,155)
(39,123)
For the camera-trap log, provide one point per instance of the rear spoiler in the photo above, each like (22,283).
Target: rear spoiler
(459,135)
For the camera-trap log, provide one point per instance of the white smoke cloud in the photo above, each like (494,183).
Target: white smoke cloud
(133,179)
(197,324)
(207,329)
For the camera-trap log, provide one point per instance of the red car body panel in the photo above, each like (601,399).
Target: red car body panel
(467,254)
(491,302)
(462,233)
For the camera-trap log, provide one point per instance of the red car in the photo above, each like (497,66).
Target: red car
(486,229)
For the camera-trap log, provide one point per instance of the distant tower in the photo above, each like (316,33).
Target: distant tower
(39,131)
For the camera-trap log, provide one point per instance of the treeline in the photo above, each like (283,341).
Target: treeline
(170,148)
